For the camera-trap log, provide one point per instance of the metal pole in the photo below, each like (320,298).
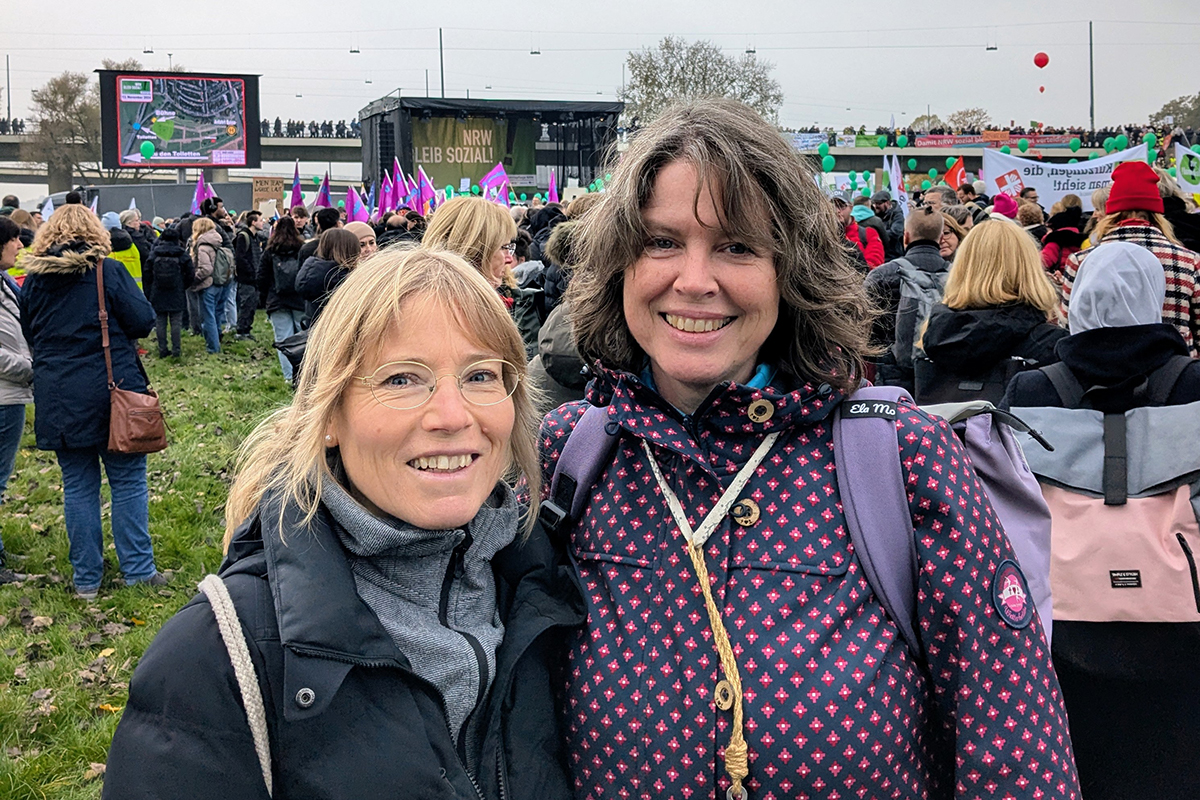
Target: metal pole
(181,176)
(1092,76)
(8,92)
(427,83)
(441,63)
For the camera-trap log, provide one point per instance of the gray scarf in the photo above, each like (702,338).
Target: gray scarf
(398,571)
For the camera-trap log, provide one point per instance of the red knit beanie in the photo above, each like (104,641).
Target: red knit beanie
(1134,188)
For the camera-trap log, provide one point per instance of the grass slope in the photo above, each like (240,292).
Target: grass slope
(65,665)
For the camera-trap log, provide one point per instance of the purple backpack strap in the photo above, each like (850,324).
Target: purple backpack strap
(587,452)
(875,502)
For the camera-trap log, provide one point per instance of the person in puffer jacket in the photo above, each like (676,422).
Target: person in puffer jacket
(729,330)
(169,272)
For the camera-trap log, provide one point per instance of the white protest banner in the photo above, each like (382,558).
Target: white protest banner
(1010,174)
(896,178)
(1187,170)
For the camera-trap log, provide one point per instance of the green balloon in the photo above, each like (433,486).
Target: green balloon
(902,140)
(1093,155)
(147,149)
(475,190)
(932,173)
(1110,144)
(449,190)
(1171,172)
(1073,161)
(600,183)
(1022,144)
(912,163)
(1121,142)
(341,203)
(853,175)
(951,161)
(925,185)
(523,197)
(828,163)
(537,195)
(1150,139)
(316,180)
(823,149)
(608,176)
(1076,144)
(512,197)
(1196,148)
(866,192)
(1151,155)
(881,141)
(1006,149)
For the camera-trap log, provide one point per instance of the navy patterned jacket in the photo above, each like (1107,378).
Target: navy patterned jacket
(836,706)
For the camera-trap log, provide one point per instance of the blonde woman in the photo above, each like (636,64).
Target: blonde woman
(483,233)
(998,304)
(402,613)
(60,319)
(206,241)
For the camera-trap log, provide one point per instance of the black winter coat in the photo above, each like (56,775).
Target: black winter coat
(143,240)
(316,281)
(883,284)
(60,317)
(247,253)
(970,342)
(893,223)
(166,275)
(276,300)
(1187,226)
(374,729)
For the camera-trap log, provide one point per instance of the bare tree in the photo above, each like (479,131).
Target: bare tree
(927,122)
(677,70)
(977,118)
(1185,112)
(66,125)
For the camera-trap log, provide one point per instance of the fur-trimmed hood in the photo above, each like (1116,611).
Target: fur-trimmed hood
(74,258)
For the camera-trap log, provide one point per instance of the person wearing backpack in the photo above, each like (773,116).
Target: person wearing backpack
(211,267)
(907,289)
(169,271)
(247,253)
(739,643)
(277,283)
(998,316)
(1131,679)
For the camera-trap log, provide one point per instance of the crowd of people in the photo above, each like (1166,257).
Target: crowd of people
(295,129)
(613,552)
(11,126)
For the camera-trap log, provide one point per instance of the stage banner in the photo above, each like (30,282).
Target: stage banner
(452,149)
(1010,174)
(1187,170)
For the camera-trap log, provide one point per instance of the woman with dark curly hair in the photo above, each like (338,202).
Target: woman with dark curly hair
(733,645)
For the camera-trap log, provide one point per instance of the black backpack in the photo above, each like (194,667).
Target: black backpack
(934,385)
(286,270)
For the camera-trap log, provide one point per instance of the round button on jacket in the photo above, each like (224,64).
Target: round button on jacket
(760,410)
(745,512)
(306,697)
(723,695)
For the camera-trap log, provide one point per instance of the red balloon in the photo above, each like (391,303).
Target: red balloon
(1041,60)
(1041,88)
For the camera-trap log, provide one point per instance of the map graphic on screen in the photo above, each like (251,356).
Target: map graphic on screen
(167,121)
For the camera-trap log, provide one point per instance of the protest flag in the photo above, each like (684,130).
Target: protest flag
(323,198)
(552,192)
(200,195)
(297,193)
(956,175)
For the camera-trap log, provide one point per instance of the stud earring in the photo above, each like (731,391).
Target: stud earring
(328,438)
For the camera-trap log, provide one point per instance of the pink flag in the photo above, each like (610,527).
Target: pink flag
(494,178)
(502,195)
(323,198)
(385,195)
(297,194)
(552,193)
(200,195)
(399,185)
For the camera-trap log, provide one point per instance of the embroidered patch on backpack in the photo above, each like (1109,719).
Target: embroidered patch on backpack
(1010,595)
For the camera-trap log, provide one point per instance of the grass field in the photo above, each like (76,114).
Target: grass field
(64,664)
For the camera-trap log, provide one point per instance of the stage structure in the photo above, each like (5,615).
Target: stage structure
(457,141)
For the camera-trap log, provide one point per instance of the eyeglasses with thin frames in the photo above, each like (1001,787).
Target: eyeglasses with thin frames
(405,385)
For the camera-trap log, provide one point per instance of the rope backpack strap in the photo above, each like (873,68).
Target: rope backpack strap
(243,669)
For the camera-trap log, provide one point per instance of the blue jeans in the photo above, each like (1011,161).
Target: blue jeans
(285,322)
(227,316)
(12,423)
(130,514)
(214,313)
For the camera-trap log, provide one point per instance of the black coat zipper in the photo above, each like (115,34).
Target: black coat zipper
(454,571)
(1191,559)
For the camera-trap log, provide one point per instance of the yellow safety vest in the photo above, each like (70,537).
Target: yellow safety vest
(132,261)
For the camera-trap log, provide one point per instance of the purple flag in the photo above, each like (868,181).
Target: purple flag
(495,177)
(323,198)
(371,203)
(399,185)
(360,213)
(297,194)
(552,193)
(385,195)
(427,197)
(200,195)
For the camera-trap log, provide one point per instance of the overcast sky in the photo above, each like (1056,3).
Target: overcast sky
(838,64)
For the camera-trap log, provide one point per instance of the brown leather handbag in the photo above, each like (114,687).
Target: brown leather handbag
(136,423)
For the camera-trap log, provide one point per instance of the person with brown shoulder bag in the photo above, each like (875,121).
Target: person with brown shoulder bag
(82,314)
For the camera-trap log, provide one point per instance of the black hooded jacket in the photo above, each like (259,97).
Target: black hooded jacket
(367,726)
(317,279)
(971,341)
(167,274)
(1187,226)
